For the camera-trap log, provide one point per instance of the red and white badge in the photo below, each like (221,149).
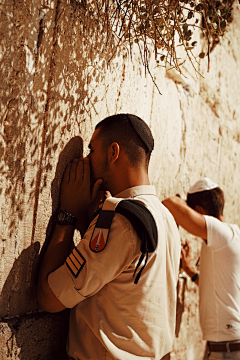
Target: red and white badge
(99,239)
(100,234)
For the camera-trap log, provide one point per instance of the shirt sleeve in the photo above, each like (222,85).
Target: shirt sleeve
(219,233)
(85,272)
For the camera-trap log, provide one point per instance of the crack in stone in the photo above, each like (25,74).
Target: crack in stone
(45,127)
(29,314)
(39,40)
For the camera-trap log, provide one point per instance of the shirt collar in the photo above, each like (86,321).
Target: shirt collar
(137,190)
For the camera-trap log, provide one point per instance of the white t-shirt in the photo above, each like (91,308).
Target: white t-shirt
(111,317)
(219,283)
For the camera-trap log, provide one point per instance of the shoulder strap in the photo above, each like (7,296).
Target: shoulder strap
(140,218)
(101,231)
(144,225)
(142,221)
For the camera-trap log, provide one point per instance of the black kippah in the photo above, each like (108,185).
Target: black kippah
(139,126)
(143,131)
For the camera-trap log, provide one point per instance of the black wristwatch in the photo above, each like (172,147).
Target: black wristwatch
(65,218)
(195,276)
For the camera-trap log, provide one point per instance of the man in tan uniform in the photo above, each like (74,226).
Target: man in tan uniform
(120,280)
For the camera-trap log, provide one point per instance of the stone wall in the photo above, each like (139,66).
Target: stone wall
(56,83)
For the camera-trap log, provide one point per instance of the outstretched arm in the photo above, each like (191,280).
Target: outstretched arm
(189,219)
(76,197)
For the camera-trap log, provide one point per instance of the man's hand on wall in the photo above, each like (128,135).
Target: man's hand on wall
(186,253)
(76,195)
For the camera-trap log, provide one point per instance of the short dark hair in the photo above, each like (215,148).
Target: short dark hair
(137,142)
(212,201)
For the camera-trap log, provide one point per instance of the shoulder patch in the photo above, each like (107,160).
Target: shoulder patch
(75,262)
(99,238)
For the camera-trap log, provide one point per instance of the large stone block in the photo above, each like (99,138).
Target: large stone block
(56,83)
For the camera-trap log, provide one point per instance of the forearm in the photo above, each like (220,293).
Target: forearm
(186,262)
(178,208)
(75,198)
(188,218)
(54,257)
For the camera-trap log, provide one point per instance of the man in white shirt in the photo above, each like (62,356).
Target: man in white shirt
(120,280)
(219,277)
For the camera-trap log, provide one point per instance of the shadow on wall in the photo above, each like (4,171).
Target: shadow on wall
(54,58)
(36,334)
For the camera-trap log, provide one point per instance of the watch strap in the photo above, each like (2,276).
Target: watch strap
(63,217)
(195,276)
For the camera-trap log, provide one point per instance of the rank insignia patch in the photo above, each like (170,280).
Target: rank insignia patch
(75,262)
(100,234)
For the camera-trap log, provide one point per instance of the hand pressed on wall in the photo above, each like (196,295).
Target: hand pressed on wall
(186,259)
(76,195)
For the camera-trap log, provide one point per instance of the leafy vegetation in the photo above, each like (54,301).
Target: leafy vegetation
(166,25)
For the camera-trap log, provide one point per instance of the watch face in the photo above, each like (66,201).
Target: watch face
(61,216)
(64,218)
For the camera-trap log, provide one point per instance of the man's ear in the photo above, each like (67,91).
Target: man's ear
(113,152)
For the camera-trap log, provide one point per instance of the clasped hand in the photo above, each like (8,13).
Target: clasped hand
(76,194)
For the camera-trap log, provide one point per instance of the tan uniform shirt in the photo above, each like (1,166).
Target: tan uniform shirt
(111,317)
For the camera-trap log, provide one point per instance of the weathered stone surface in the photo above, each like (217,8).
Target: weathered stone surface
(34,337)
(55,85)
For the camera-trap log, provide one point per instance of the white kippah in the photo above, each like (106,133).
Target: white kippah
(202,184)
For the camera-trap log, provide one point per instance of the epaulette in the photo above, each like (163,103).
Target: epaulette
(140,218)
